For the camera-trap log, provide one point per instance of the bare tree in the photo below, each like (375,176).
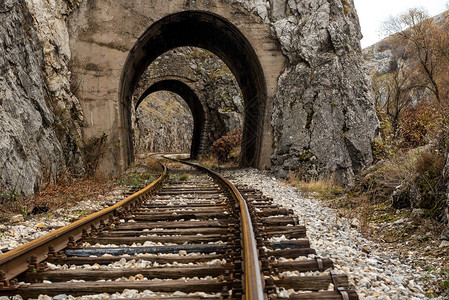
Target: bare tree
(417,30)
(427,48)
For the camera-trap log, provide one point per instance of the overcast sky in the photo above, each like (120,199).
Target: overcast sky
(373,12)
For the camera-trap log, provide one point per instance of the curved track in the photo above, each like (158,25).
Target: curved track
(193,237)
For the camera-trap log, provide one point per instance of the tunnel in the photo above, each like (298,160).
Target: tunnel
(213,33)
(192,100)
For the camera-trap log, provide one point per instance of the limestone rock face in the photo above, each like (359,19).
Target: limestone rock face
(29,148)
(49,19)
(164,123)
(36,144)
(323,118)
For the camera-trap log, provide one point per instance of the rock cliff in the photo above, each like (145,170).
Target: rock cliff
(323,115)
(36,144)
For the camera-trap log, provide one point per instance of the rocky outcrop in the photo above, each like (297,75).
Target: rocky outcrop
(49,19)
(164,123)
(36,145)
(323,115)
(29,148)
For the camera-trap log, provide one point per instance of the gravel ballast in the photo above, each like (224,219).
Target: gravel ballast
(380,274)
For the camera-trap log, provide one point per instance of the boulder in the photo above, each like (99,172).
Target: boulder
(405,196)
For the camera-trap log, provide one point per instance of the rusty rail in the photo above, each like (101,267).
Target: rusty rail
(254,282)
(16,261)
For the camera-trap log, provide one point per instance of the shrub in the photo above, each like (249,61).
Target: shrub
(138,180)
(223,147)
(380,180)
(430,164)
(208,160)
(429,169)
(183,177)
(419,124)
(416,172)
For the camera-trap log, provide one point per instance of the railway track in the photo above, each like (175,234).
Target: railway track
(195,236)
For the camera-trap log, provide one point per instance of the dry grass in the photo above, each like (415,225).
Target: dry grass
(152,164)
(209,161)
(323,188)
(380,180)
(55,196)
(73,190)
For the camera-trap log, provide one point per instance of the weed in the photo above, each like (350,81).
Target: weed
(9,196)
(48,217)
(82,213)
(442,288)
(208,160)
(183,177)
(445,283)
(23,211)
(138,180)
(322,188)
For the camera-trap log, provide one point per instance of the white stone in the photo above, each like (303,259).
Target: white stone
(17,218)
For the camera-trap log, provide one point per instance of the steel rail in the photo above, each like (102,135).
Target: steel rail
(16,261)
(254,282)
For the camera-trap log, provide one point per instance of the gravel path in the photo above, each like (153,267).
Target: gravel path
(381,274)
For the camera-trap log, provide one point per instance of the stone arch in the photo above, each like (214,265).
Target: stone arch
(192,100)
(216,34)
(107,58)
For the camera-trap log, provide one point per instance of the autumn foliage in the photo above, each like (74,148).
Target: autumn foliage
(419,124)
(412,101)
(414,94)
(224,148)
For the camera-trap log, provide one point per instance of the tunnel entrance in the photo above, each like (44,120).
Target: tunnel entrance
(192,101)
(213,33)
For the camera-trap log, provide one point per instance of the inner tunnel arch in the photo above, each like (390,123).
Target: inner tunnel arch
(216,34)
(192,100)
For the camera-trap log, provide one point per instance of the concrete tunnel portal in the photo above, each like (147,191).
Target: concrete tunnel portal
(213,33)
(192,100)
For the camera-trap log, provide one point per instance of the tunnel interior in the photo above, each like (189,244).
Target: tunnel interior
(189,96)
(213,33)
